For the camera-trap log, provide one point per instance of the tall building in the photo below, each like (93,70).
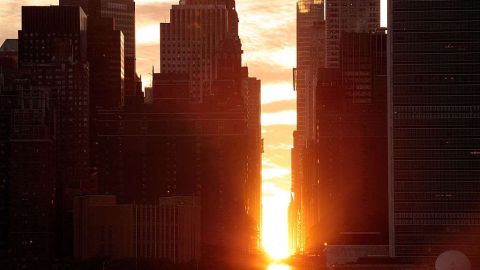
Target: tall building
(53,52)
(320,25)
(123,13)
(32,174)
(310,57)
(434,128)
(251,92)
(177,154)
(106,61)
(347,204)
(8,102)
(190,41)
(359,16)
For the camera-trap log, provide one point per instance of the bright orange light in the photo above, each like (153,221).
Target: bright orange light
(275,225)
(279,267)
(275,221)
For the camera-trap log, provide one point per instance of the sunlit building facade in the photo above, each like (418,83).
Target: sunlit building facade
(190,41)
(434,128)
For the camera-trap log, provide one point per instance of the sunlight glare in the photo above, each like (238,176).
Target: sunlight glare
(279,267)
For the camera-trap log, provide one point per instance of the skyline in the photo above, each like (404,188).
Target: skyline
(269,58)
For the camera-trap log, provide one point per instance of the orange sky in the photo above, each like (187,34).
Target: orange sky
(267,30)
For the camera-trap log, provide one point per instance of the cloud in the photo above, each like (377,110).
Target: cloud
(288,117)
(274,92)
(278,106)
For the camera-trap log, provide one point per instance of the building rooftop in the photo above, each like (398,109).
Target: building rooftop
(9,45)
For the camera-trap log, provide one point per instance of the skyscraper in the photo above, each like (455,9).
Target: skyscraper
(359,16)
(8,102)
(190,41)
(53,52)
(310,57)
(106,61)
(348,202)
(434,128)
(320,25)
(123,13)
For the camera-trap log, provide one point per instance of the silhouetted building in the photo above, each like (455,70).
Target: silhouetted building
(123,13)
(8,102)
(310,57)
(168,229)
(251,92)
(53,52)
(176,154)
(103,229)
(359,16)
(32,177)
(320,25)
(106,60)
(434,128)
(346,203)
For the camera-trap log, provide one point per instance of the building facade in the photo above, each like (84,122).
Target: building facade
(434,128)
(310,57)
(123,13)
(53,54)
(107,64)
(357,16)
(190,41)
(166,230)
(8,102)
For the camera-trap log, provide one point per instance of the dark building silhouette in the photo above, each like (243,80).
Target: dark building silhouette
(251,93)
(33,177)
(53,54)
(434,128)
(176,154)
(106,61)
(123,13)
(348,200)
(310,57)
(320,25)
(8,102)
(168,229)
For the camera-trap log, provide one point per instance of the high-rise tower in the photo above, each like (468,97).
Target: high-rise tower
(434,74)
(53,52)
(359,16)
(189,43)
(123,13)
(310,56)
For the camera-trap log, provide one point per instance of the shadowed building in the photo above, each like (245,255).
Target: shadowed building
(347,202)
(123,13)
(358,16)
(434,128)
(168,229)
(310,57)
(8,102)
(53,53)
(106,60)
